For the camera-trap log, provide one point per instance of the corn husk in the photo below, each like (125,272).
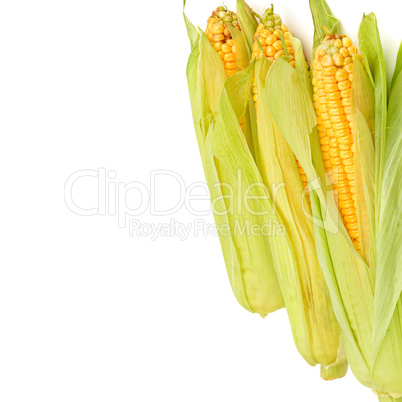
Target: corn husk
(248,259)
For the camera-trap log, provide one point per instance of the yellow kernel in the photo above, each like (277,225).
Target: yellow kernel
(346,204)
(345,140)
(346,41)
(346,154)
(227,49)
(221,54)
(218,37)
(277,34)
(217,46)
(339,119)
(324,140)
(338,59)
(335,161)
(325,148)
(278,45)
(230,42)
(229,57)
(335,103)
(229,73)
(279,54)
(217,28)
(348,161)
(271,39)
(349,68)
(317,65)
(350,169)
(344,85)
(270,51)
(333,152)
(264,33)
(330,79)
(323,108)
(333,96)
(341,75)
(352,49)
(329,70)
(330,88)
(344,51)
(230,66)
(346,93)
(322,99)
(327,61)
(346,102)
(338,43)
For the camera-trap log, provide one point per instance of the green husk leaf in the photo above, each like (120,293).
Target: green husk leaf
(242,56)
(398,66)
(301,64)
(237,168)
(372,52)
(191,29)
(388,304)
(248,23)
(206,75)
(364,156)
(322,17)
(384,304)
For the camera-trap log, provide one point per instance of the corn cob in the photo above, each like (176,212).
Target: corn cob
(332,80)
(219,36)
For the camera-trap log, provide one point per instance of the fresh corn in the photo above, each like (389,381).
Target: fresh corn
(315,330)
(218,34)
(332,80)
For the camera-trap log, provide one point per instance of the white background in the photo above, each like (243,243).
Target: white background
(88,312)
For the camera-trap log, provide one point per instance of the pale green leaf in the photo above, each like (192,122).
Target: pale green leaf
(191,29)
(322,17)
(389,261)
(248,23)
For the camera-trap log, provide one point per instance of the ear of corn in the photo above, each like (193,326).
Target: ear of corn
(247,258)
(314,326)
(365,288)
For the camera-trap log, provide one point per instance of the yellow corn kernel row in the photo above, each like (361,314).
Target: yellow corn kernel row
(332,81)
(220,37)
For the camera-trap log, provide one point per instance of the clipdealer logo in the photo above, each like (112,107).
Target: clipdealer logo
(110,197)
